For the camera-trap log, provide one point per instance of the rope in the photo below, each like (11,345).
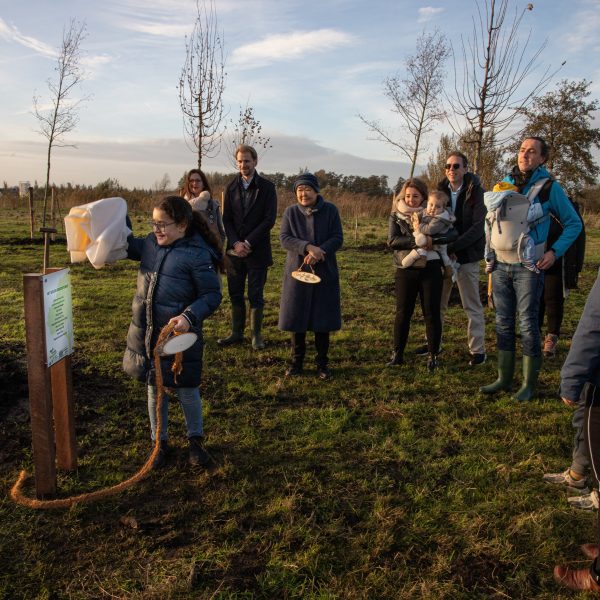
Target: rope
(16,492)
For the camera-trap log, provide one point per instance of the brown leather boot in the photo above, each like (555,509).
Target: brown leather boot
(575,579)
(591,551)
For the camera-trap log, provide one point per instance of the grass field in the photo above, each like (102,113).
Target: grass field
(381,483)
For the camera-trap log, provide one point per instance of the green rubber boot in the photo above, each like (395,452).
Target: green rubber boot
(531,371)
(506,371)
(256,319)
(238,323)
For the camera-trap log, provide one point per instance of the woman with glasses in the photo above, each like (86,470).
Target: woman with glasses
(177,283)
(197,192)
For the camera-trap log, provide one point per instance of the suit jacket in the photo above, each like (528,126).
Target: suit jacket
(254,222)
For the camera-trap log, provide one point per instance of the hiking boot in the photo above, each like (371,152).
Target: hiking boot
(591,551)
(576,579)
(585,501)
(160,460)
(198,454)
(477,359)
(432,362)
(424,350)
(294,370)
(324,373)
(396,360)
(565,478)
(550,343)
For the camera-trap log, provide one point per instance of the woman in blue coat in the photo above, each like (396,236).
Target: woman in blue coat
(177,283)
(311,232)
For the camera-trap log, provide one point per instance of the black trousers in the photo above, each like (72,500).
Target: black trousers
(426,283)
(552,302)
(321,345)
(236,283)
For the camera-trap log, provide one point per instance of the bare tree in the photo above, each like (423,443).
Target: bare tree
(246,130)
(202,83)
(564,119)
(495,68)
(490,161)
(415,98)
(62,115)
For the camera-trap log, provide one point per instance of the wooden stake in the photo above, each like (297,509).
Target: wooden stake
(31,217)
(64,414)
(40,397)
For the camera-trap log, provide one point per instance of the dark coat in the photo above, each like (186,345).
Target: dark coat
(571,263)
(305,306)
(172,280)
(253,224)
(401,239)
(470,219)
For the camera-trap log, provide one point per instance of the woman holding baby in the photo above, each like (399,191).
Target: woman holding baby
(420,226)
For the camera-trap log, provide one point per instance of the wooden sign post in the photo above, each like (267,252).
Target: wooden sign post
(50,388)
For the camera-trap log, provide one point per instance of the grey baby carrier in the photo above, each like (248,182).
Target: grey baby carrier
(508,224)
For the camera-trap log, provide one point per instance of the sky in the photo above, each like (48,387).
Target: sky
(307,67)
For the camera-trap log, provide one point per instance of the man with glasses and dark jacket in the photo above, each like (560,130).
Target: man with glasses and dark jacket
(466,201)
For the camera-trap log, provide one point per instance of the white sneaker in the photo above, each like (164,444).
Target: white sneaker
(585,501)
(565,478)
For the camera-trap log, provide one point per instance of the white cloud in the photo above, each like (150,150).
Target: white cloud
(428,12)
(11,33)
(289,46)
(160,29)
(95,61)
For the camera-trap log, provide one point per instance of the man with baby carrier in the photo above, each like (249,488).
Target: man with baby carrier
(516,233)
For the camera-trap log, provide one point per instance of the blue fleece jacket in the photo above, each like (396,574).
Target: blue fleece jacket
(560,206)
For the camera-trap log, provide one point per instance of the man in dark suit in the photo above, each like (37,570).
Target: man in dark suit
(249,212)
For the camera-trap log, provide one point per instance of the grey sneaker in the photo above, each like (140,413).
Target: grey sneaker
(565,478)
(585,501)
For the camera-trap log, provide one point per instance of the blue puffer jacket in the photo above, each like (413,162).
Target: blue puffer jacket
(175,279)
(560,206)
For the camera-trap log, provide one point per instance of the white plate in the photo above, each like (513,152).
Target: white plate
(178,343)
(306,277)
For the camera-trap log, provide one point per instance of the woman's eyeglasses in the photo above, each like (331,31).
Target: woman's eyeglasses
(160,226)
(453,167)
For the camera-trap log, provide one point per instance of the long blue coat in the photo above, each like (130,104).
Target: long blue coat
(175,279)
(305,306)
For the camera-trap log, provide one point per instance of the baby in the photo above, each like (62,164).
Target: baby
(526,246)
(436,219)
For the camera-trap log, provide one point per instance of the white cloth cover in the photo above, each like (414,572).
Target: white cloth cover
(97,231)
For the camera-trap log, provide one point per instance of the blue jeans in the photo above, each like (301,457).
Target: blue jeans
(517,290)
(191,403)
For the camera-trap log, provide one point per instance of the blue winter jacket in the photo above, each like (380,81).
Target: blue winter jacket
(559,205)
(583,361)
(177,279)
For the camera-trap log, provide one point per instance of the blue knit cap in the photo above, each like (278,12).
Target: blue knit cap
(307,179)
